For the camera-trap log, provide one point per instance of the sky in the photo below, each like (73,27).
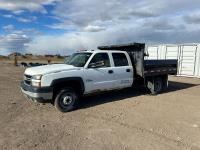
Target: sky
(65,26)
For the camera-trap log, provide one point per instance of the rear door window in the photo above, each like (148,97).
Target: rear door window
(119,59)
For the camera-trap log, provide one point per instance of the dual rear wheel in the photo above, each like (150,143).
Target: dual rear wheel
(156,85)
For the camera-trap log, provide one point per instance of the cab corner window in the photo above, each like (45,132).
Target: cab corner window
(100,60)
(119,59)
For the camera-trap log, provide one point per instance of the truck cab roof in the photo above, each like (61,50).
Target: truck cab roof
(102,51)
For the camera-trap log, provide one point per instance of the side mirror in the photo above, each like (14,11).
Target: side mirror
(96,65)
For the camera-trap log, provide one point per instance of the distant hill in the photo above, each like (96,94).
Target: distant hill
(3,57)
(31,57)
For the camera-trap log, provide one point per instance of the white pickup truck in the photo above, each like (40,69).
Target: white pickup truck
(109,68)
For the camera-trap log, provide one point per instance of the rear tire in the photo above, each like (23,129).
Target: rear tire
(66,100)
(155,85)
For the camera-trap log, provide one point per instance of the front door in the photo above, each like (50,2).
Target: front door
(99,78)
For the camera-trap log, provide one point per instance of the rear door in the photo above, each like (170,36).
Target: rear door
(122,70)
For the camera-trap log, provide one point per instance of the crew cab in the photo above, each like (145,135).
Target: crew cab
(87,72)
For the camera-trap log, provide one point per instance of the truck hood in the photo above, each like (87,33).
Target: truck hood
(49,69)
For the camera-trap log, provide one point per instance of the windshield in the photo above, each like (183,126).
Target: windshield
(78,59)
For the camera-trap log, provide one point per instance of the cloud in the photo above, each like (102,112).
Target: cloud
(153,31)
(21,19)
(193,18)
(91,28)
(96,15)
(112,13)
(67,43)
(8,28)
(26,20)
(20,5)
(114,22)
(14,42)
(103,10)
(65,25)
(142,13)
(8,16)
(86,24)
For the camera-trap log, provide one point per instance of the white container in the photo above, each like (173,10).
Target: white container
(152,52)
(188,56)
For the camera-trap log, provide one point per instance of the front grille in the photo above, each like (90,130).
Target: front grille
(27,79)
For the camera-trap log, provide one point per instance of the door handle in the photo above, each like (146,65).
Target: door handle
(128,70)
(110,71)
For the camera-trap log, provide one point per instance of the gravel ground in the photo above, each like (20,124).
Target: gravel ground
(127,119)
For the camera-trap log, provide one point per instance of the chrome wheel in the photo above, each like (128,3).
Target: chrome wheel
(67,99)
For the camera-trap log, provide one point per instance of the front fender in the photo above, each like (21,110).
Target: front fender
(68,79)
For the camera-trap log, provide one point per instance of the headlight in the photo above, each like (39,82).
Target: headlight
(36,80)
(37,77)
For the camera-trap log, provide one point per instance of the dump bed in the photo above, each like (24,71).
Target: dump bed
(159,67)
(143,67)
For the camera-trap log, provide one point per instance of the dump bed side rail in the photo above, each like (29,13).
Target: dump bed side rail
(159,67)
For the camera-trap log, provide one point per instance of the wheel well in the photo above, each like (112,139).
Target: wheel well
(75,84)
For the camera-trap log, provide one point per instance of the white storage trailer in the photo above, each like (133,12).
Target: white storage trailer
(188,56)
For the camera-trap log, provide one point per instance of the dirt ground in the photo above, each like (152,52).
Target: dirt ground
(127,119)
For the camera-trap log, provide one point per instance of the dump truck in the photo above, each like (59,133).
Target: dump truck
(87,72)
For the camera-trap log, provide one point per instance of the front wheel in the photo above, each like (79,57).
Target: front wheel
(66,100)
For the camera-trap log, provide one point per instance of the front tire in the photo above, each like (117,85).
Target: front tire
(66,100)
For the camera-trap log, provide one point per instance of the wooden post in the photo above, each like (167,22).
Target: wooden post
(15,59)
(48,60)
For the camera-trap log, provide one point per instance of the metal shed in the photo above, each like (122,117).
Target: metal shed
(188,56)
